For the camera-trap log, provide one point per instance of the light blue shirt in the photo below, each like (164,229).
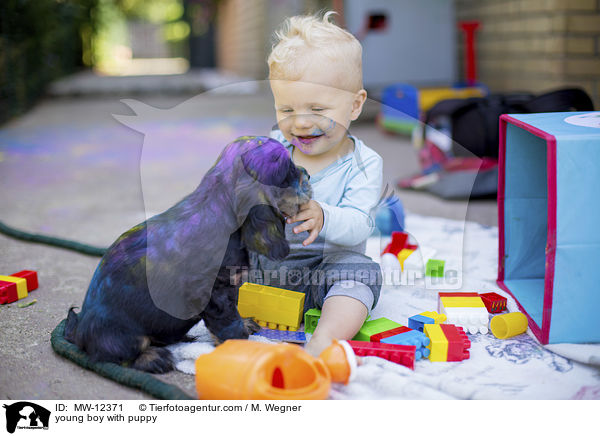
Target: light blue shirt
(348,190)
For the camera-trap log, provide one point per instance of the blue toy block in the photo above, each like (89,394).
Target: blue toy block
(412,337)
(282,335)
(418,321)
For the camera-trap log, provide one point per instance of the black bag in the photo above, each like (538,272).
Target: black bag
(462,162)
(474,122)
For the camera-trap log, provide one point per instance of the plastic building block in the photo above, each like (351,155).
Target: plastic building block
(448,343)
(8,292)
(438,318)
(458,343)
(311,319)
(493,302)
(508,325)
(21,285)
(438,345)
(401,354)
(386,334)
(22,282)
(282,335)
(411,337)
(457,294)
(464,309)
(462,302)
(403,255)
(271,307)
(473,319)
(30,277)
(397,243)
(435,268)
(370,328)
(417,322)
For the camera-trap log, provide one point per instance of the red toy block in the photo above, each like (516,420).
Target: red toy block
(30,277)
(457,294)
(494,303)
(398,242)
(386,334)
(401,354)
(458,343)
(8,292)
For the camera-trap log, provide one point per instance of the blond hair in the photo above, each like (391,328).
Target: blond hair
(304,37)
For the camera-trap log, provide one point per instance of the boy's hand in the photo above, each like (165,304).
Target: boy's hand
(312,215)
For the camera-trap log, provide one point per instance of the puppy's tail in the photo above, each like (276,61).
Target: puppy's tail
(71,325)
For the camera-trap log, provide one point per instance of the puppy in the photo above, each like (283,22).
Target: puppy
(161,277)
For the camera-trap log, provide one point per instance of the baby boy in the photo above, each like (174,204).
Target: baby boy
(315,73)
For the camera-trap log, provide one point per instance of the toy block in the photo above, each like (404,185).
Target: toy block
(447,295)
(386,334)
(438,345)
(311,319)
(401,354)
(473,319)
(493,302)
(271,307)
(21,285)
(411,337)
(403,255)
(435,268)
(370,328)
(462,302)
(282,335)
(457,294)
(438,318)
(397,243)
(8,292)
(30,277)
(416,322)
(458,343)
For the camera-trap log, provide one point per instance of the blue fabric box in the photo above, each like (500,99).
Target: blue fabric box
(549,222)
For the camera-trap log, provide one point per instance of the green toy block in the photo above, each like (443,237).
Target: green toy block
(311,319)
(435,268)
(370,328)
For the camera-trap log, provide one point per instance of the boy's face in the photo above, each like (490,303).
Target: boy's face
(312,115)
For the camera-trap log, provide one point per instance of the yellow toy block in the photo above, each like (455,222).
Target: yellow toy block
(403,255)
(271,307)
(21,285)
(439,344)
(462,302)
(438,318)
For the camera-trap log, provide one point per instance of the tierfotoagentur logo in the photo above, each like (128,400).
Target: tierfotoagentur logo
(26,415)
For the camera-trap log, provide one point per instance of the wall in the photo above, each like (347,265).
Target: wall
(536,45)
(245,27)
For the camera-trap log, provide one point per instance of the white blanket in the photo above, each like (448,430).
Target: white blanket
(516,368)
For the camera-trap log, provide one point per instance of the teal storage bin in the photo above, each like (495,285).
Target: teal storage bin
(549,222)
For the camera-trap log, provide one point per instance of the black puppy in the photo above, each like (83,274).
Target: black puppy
(164,275)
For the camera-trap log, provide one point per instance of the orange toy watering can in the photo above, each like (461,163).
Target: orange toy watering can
(247,370)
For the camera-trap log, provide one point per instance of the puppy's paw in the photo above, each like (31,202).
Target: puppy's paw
(156,360)
(250,326)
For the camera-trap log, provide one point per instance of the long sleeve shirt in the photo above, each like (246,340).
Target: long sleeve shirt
(347,190)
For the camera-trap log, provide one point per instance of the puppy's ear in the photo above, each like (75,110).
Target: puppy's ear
(268,163)
(264,232)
